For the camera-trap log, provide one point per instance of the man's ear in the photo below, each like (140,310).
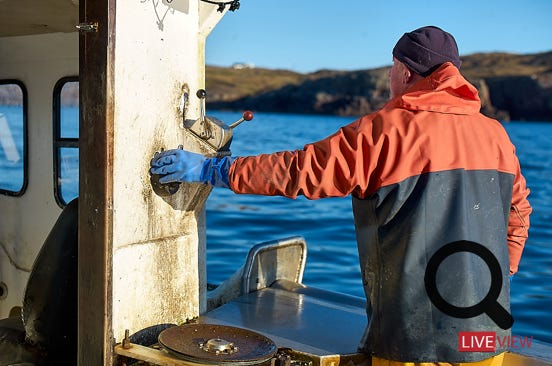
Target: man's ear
(407,74)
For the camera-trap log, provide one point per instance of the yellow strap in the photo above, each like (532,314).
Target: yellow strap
(492,361)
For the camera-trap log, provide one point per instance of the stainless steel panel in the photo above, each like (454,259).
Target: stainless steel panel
(311,321)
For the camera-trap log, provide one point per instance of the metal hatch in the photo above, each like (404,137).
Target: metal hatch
(319,326)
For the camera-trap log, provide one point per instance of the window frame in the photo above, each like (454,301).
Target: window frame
(59,142)
(25,106)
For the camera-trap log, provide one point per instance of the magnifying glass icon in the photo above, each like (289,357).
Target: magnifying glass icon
(489,305)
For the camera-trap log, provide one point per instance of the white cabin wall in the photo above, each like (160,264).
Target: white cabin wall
(159,273)
(38,62)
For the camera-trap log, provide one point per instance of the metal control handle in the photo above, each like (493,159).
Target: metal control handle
(247,116)
(201,94)
(211,131)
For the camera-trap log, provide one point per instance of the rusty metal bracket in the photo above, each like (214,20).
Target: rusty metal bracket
(87,27)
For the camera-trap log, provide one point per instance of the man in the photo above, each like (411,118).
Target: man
(428,174)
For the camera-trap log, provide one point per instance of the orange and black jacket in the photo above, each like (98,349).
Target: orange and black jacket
(425,171)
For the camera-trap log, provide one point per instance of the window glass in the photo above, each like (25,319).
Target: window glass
(69,173)
(13,130)
(66,140)
(69,100)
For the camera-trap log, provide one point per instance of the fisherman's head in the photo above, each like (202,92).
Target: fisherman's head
(419,53)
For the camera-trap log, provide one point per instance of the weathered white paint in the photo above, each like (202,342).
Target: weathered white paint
(158,242)
(25,221)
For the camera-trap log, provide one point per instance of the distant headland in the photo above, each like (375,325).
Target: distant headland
(511,87)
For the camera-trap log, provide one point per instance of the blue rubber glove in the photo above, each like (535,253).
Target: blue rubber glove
(184,166)
(215,171)
(177,166)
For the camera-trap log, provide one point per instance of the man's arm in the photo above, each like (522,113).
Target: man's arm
(333,167)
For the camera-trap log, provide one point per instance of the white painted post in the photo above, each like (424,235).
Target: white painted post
(158,252)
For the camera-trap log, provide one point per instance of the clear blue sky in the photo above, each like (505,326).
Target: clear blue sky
(309,35)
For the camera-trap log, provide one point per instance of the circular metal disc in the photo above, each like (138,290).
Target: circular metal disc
(192,342)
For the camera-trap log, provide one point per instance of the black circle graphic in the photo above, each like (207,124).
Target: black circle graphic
(488,305)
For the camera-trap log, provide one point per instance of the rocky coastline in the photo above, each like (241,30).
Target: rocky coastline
(511,87)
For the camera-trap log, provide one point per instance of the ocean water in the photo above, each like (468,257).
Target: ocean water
(236,222)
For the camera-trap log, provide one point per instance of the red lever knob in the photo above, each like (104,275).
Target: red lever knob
(248,115)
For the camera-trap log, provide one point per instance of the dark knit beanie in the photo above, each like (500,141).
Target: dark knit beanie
(425,49)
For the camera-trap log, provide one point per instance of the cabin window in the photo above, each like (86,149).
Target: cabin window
(13,137)
(66,140)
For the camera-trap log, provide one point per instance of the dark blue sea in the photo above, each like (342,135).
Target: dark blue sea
(236,222)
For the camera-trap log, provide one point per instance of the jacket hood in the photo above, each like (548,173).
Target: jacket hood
(444,91)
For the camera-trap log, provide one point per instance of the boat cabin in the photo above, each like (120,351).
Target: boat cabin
(100,264)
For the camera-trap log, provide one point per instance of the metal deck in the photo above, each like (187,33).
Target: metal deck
(317,324)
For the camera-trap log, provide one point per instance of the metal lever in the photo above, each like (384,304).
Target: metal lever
(211,131)
(201,94)
(247,116)
(206,132)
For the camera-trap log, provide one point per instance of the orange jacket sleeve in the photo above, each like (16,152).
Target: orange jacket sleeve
(327,168)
